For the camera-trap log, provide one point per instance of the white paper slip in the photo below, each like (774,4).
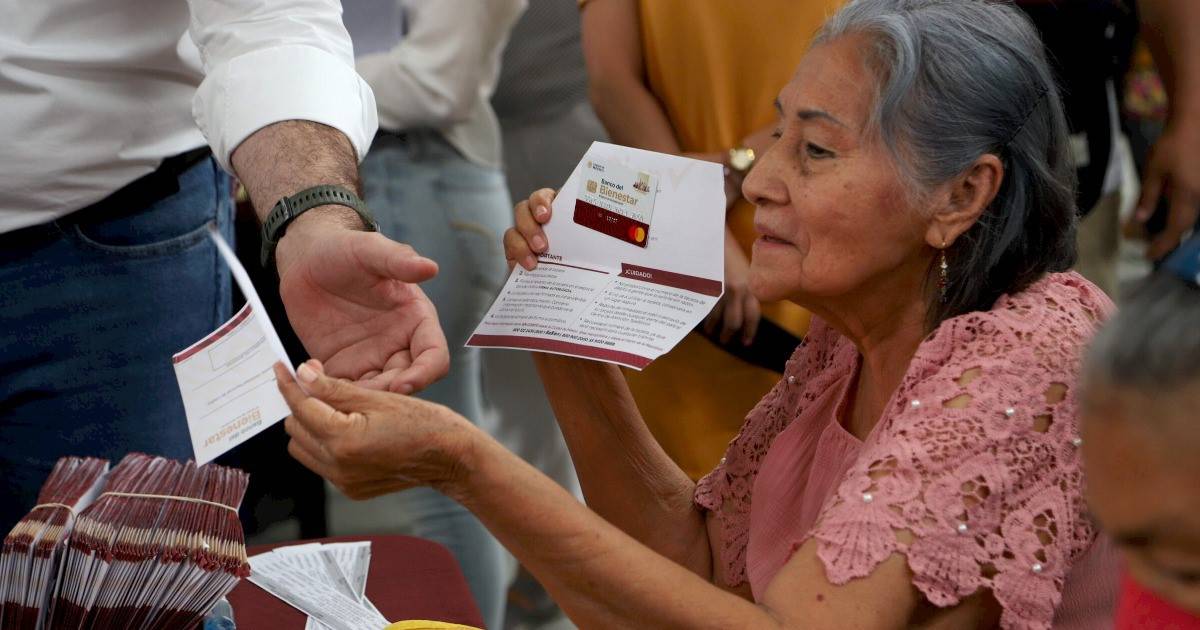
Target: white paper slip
(341,566)
(226,379)
(297,578)
(346,564)
(636,261)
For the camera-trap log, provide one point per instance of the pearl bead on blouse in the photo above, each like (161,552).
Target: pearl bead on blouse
(868,497)
(791,379)
(962,528)
(1037,567)
(916,404)
(1010,412)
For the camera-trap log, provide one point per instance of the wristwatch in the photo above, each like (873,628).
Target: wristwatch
(741,159)
(287,209)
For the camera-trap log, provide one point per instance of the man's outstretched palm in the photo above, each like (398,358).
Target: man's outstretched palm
(352,299)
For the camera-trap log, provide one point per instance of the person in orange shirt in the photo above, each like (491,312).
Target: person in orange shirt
(700,79)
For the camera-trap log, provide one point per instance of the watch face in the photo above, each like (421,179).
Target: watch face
(741,159)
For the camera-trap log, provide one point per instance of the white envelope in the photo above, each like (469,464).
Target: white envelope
(226,379)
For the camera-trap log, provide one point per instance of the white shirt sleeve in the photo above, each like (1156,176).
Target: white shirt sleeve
(433,76)
(267,61)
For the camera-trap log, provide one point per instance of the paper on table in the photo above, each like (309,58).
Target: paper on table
(354,558)
(226,379)
(345,566)
(601,292)
(285,576)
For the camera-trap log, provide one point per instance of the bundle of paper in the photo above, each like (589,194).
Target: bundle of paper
(326,582)
(32,554)
(158,548)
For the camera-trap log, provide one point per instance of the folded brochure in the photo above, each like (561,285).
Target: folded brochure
(636,261)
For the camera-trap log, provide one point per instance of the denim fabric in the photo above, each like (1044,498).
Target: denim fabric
(92,310)
(425,194)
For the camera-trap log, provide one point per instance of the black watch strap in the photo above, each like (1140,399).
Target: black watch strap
(288,208)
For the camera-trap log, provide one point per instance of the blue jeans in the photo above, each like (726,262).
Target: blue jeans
(425,194)
(92,310)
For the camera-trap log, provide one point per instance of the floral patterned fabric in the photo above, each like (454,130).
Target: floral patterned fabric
(975,459)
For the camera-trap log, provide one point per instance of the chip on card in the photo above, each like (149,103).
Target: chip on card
(617,201)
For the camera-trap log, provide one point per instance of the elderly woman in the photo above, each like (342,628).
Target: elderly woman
(1140,406)
(918,463)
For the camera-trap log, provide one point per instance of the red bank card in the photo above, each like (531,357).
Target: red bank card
(617,201)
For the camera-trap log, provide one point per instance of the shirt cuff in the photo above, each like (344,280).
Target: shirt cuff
(271,85)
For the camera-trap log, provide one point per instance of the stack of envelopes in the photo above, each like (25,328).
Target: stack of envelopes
(31,559)
(158,546)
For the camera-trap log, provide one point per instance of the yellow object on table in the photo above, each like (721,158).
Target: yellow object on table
(421,624)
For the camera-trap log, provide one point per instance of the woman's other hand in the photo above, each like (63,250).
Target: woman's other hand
(369,443)
(738,312)
(523,243)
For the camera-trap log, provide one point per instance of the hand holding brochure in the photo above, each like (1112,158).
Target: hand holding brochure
(636,261)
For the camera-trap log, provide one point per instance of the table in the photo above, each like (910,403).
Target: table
(410,578)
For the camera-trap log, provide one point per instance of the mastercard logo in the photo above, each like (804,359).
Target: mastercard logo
(637,233)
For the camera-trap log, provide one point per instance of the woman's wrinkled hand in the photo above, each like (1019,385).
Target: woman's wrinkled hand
(523,243)
(369,443)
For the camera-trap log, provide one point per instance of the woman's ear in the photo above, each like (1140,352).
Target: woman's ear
(966,199)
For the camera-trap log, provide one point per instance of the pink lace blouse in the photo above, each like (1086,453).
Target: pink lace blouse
(990,487)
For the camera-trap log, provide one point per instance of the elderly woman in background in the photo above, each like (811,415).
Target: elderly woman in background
(1141,430)
(918,463)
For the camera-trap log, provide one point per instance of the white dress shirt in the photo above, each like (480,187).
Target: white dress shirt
(95,93)
(441,72)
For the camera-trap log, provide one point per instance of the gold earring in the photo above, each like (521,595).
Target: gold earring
(944,276)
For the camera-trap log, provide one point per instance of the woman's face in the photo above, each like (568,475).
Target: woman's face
(832,215)
(1143,484)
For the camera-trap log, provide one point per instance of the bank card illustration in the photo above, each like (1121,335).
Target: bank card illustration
(617,201)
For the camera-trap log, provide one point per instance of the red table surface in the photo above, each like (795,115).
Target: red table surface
(410,578)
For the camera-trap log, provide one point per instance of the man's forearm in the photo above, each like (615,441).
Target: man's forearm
(286,157)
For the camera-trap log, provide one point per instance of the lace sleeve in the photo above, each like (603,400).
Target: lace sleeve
(977,465)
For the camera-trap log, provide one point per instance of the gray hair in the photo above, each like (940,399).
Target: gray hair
(1152,344)
(958,79)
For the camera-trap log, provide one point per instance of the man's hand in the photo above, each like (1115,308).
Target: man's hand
(352,299)
(1173,172)
(350,295)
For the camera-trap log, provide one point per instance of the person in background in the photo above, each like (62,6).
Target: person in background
(106,267)
(681,77)
(541,99)
(1171,178)
(1140,405)
(547,124)
(434,178)
(918,464)
(1091,42)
